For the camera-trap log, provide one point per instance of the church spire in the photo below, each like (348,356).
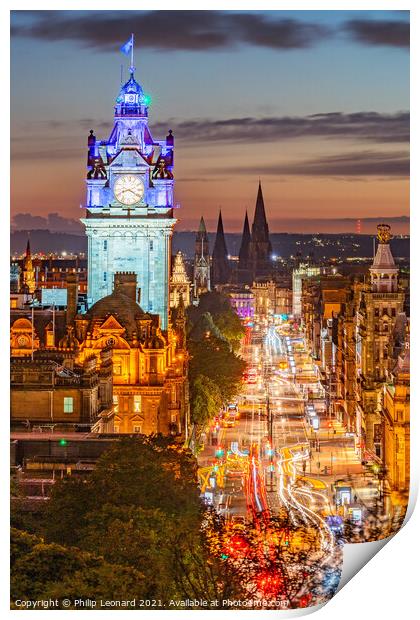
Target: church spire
(201,261)
(260,247)
(220,243)
(260,226)
(220,262)
(202,227)
(245,245)
(28,270)
(201,238)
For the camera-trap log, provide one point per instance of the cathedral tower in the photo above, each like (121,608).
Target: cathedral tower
(201,261)
(129,206)
(260,245)
(220,262)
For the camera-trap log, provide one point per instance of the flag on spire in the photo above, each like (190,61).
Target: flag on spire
(128,46)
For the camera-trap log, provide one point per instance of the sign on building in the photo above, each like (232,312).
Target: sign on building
(54,297)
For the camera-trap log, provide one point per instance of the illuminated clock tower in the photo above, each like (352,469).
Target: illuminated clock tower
(129,205)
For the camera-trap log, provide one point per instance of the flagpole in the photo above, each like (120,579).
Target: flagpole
(132,52)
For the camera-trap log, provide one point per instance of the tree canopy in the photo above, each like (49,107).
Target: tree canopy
(215,371)
(214,359)
(225,323)
(41,570)
(138,514)
(206,400)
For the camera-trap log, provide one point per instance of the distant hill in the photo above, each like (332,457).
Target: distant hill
(46,241)
(284,244)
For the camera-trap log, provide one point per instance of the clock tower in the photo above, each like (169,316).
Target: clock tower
(129,205)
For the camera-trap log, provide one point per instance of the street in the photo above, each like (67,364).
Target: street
(284,457)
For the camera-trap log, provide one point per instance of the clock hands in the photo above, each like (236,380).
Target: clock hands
(129,189)
(126,193)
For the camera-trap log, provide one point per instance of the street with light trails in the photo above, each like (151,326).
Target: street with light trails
(284,471)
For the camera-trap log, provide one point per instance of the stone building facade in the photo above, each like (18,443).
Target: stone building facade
(149,364)
(53,390)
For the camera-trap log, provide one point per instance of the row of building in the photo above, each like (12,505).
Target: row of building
(358,330)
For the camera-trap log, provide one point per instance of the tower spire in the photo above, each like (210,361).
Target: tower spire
(260,219)
(202,226)
(260,244)
(201,261)
(245,243)
(220,261)
(28,249)
(245,258)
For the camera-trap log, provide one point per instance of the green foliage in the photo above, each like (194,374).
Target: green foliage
(205,327)
(212,302)
(137,525)
(151,472)
(231,327)
(213,358)
(206,400)
(41,571)
(136,537)
(63,520)
(215,372)
(214,313)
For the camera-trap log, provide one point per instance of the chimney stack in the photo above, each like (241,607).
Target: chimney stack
(126,283)
(72,283)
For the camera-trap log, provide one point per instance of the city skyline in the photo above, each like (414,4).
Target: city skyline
(333,145)
(206,419)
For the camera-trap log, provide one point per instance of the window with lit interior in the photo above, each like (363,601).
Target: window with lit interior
(68,404)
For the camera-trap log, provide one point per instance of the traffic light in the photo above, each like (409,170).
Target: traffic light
(63,442)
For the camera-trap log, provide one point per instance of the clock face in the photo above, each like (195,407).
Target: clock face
(128,189)
(22,341)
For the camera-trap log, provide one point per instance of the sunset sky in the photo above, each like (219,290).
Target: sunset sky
(315,103)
